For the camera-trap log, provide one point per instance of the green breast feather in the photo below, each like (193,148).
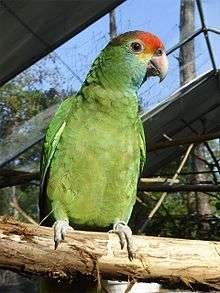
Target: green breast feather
(102,179)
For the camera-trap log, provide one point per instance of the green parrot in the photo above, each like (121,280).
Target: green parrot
(94,150)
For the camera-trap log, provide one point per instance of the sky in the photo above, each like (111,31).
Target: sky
(160,17)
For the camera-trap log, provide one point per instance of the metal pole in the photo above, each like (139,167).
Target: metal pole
(190,37)
(186,40)
(213,30)
(205,32)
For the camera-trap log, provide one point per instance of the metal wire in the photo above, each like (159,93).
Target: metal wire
(213,30)
(186,40)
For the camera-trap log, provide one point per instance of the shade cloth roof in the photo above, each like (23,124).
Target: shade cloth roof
(30,29)
(194,108)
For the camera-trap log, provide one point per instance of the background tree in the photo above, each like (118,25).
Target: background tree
(196,202)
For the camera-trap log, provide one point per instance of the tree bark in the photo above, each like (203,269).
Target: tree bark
(187,67)
(29,249)
(202,199)
(198,202)
(112,24)
(187,52)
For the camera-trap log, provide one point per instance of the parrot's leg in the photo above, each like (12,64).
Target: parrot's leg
(125,236)
(60,229)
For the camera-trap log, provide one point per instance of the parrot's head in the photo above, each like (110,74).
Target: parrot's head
(128,60)
(144,52)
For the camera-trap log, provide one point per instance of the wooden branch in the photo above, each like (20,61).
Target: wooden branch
(184,141)
(29,249)
(153,180)
(179,187)
(13,177)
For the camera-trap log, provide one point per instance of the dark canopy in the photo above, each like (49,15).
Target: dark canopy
(30,29)
(193,109)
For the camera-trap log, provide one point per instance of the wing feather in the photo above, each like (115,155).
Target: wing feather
(52,139)
(142,148)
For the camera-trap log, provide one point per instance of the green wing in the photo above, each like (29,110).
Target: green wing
(52,138)
(53,135)
(142,148)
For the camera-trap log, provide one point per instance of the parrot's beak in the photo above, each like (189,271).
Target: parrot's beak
(158,66)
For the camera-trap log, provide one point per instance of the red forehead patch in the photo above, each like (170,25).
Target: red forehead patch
(151,41)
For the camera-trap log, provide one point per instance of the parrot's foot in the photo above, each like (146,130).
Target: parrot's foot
(125,235)
(60,229)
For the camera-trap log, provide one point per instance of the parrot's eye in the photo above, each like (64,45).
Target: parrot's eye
(137,47)
(159,52)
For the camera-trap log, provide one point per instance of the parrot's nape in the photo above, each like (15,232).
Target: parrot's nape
(94,150)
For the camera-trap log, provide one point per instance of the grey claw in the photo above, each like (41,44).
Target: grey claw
(121,238)
(125,235)
(129,246)
(56,243)
(60,229)
(62,235)
(120,235)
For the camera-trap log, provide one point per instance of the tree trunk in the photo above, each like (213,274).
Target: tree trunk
(187,52)
(198,202)
(112,24)
(29,249)
(202,199)
(188,69)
